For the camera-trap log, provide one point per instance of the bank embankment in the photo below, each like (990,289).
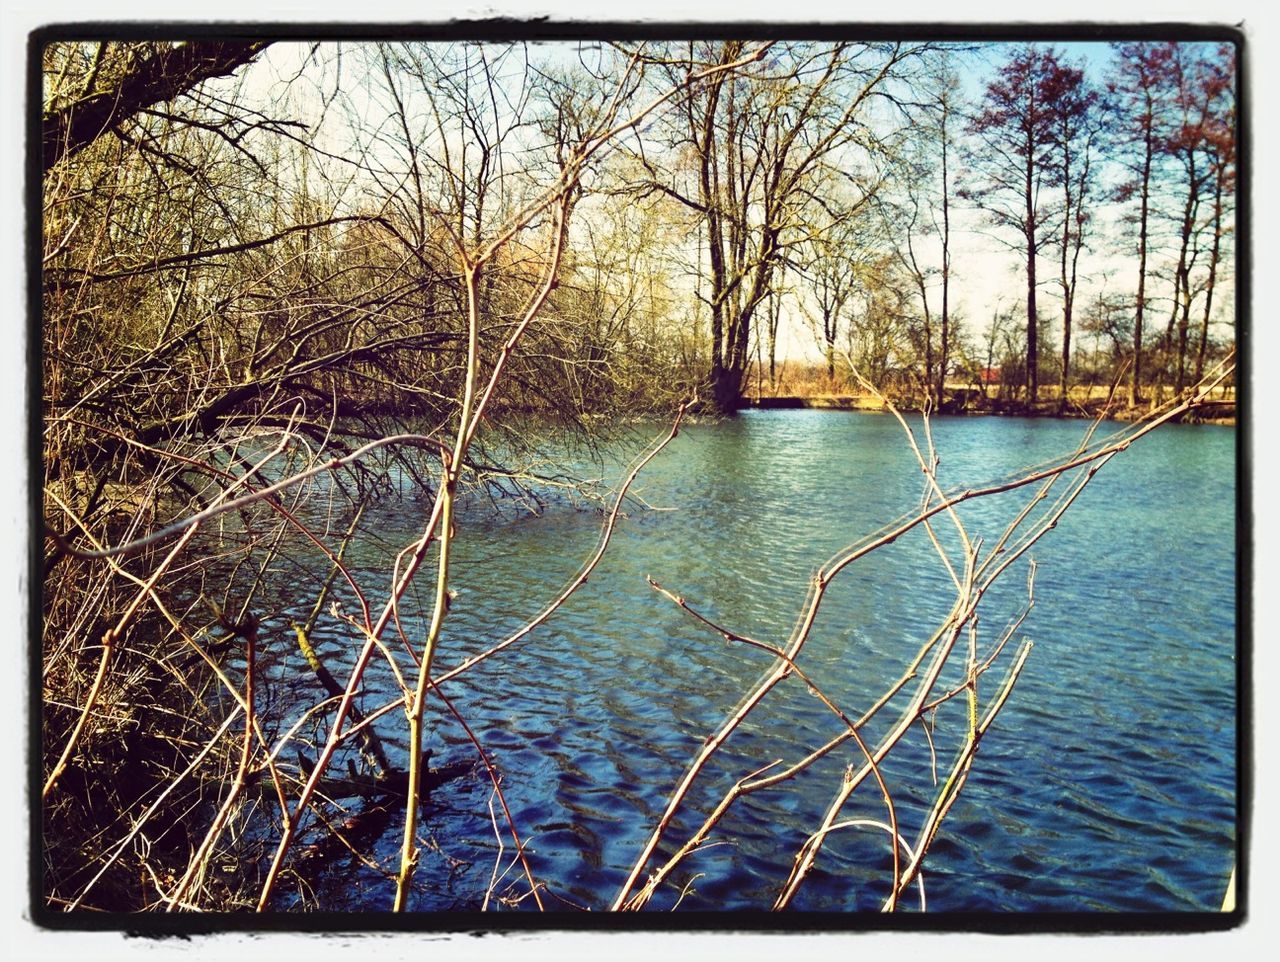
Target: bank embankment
(1212,411)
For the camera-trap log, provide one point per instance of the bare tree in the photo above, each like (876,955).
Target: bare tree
(1077,123)
(1218,80)
(919,208)
(839,259)
(755,146)
(120,80)
(1184,145)
(1141,91)
(1011,157)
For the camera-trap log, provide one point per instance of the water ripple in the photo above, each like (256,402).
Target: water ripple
(1108,783)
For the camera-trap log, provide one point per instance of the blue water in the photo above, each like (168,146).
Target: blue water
(1107,783)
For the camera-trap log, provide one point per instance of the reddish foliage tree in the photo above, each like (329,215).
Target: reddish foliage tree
(1220,145)
(1140,89)
(1012,161)
(1201,143)
(1076,111)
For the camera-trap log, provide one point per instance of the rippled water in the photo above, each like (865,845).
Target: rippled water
(1108,782)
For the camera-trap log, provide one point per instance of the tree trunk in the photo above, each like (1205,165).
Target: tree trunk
(1213,271)
(1064,280)
(1184,324)
(726,390)
(928,362)
(1183,281)
(1032,335)
(1135,385)
(1066,350)
(831,360)
(944,346)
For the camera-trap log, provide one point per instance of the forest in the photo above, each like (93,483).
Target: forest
(284,284)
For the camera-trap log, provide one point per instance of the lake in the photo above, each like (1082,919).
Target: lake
(1108,783)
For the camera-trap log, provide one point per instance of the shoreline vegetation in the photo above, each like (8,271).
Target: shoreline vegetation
(972,403)
(1221,412)
(809,387)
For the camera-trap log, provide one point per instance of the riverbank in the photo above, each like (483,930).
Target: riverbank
(1214,411)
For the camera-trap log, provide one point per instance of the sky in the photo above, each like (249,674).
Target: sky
(986,274)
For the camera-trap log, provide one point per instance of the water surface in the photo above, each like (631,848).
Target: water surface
(1108,783)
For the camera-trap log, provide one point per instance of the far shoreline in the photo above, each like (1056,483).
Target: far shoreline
(1217,412)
